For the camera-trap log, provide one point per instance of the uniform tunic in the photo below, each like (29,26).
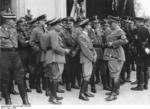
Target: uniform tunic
(10,61)
(115,54)
(55,56)
(87,55)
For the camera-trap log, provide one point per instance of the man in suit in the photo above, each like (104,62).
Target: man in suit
(114,55)
(55,60)
(87,57)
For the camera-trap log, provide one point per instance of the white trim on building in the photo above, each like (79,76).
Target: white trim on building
(52,8)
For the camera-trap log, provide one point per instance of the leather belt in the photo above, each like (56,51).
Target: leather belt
(8,49)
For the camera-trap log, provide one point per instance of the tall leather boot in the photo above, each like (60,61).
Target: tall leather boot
(146,78)
(47,84)
(83,89)
(11,88)
(6,93)
(53,96)
(0,95)
(92,83)
(114,93)
(128,79)
(105,82)
(0,91)
(23,94)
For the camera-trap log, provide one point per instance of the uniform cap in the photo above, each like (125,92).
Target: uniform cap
(41,17)
(84,22)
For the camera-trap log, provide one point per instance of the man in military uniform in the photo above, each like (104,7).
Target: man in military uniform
(87,57)
(114,55)
(99,67)
(35,41)
(142,38)
(70,66)
(55,60)
(10,60)
(24,48)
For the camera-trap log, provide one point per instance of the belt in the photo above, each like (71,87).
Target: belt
(97,46)
(8,49)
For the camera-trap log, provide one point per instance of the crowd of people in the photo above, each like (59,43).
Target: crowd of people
(72,53)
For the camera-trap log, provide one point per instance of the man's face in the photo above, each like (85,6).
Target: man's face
(113,25)
(42,22)
(11,22)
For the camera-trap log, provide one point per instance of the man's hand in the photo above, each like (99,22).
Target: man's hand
(67,51)
(109,44)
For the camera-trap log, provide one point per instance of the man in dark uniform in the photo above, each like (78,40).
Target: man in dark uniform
(70,66)
(142,38)
(24,48)
(35,42)
(99,68)
(125,74)
(10,60)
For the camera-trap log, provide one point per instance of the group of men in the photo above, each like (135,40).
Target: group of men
(74,53)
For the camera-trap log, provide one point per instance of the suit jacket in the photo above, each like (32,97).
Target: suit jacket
(87,51)
(57,51)
(116,51)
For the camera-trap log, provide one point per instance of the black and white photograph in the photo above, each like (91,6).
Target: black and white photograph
(74,52)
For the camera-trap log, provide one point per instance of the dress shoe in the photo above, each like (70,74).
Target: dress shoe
(60,91)
(14,92)
(107,88)
(128,80)
(134,83)
(68,87)
(54,101)
(26,102)
(39,90)
(88,94)
(29,90)
(93,90)
(83,97)
(111,97)
(8,101)
(75,87)
(109,93)
(138,88)
(47,92)
(145,87)
(59,98)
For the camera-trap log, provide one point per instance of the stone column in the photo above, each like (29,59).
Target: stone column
(18,7)
(61,8)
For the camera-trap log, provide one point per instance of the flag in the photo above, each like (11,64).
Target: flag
(115,5)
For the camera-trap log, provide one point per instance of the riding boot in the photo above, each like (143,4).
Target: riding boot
(53,96)
(6,93)
(23,94)
(83,90)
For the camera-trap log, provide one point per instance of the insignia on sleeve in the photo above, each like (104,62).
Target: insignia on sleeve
(123,37)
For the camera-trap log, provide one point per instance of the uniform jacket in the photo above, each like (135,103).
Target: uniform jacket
(142,37)
(88,52)
(56,51)
(115,52)
(37,38)
(96,37)
(8,38)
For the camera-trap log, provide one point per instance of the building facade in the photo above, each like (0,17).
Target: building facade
(53,8)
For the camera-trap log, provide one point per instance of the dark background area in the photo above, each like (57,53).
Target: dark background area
(103,8)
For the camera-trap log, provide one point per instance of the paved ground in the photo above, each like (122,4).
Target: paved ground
(127,97)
